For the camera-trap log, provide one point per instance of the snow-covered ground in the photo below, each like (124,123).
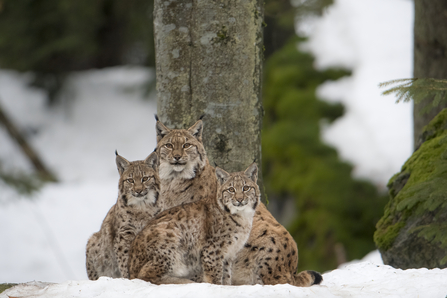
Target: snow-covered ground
(43,238)
(363,279)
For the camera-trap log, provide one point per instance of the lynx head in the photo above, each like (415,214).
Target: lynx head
(139,182)
(181,151)
(238,192)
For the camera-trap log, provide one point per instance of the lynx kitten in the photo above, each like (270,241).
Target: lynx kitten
(107,250)
(198,241)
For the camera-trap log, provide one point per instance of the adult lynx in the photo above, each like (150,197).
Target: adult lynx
(198,241)
(108,250)
(185,173)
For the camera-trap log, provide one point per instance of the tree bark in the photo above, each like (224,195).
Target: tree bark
(209,61)
(430,54)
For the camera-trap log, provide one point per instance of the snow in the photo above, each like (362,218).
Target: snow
(43,238)
(364,279)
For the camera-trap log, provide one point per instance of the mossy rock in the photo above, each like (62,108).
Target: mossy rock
(412,232)
(4,287)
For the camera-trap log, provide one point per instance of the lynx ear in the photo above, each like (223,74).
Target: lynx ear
(161,131)
(196,130)
(252,172)
(121,163)
(152,160)
(221,175)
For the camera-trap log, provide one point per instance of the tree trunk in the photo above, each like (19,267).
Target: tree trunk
(209,61)
(430,54)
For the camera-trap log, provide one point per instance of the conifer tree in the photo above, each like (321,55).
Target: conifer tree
(52,38)
(335,214)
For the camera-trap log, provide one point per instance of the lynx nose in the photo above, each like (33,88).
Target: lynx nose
(177,156)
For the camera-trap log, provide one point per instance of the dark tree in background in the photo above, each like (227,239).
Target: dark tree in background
(430,55)
(52,38)
(334,214)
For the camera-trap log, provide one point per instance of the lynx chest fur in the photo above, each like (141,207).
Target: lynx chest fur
(198,241)
(185,173)
(107,250)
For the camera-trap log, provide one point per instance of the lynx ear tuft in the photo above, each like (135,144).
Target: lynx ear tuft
(222,176)
(252,172)
(156,117)
(121,163)
(196,130)
(152,160)
(161,130)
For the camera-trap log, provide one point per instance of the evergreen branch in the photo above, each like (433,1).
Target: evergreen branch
(407,82)
(417,89)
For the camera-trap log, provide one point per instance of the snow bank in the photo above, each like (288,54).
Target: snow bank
(363,279)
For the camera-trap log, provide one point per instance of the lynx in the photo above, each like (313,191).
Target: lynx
(198,241)
(271,255)
(107,250)
(185,173)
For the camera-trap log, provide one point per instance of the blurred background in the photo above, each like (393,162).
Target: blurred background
(77,82)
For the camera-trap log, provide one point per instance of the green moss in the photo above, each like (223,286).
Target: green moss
(384,238)
(420,187)
(222,33)
(4,287)
(222,37)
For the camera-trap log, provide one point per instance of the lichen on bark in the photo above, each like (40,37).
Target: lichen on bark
(411,234)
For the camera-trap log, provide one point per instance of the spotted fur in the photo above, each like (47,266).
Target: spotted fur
(107,250)
(270,256)
(198,241)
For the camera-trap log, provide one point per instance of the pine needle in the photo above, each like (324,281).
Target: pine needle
(417,89)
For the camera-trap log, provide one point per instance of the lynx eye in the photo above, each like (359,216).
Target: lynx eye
(145,179)
(246,188)
(130,180)
(231,189)
(169,146)
(186,145)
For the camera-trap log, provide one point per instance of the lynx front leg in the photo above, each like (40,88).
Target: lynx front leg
(212,263)
(121,246)
(227,268)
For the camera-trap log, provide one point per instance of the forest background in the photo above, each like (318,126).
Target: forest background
(310,188)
